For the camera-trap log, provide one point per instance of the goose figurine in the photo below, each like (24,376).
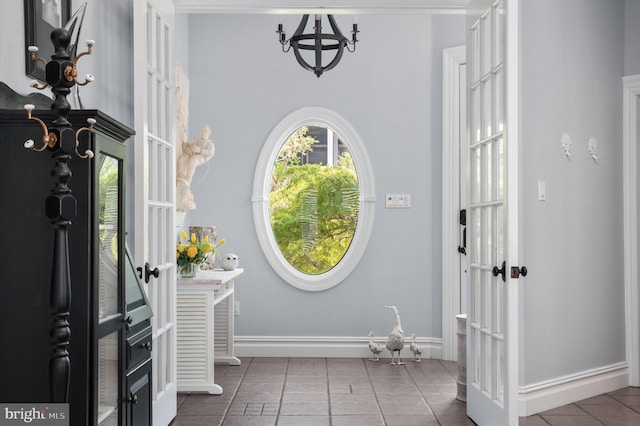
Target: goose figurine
(416,349)
(395,341)
(375,348)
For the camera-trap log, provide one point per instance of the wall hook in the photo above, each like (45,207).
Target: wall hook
(566,144)
(593,149)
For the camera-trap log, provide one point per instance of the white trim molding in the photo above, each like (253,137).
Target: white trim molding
(324,347)
(452,138)
(549,394)
(313,116)
(313,6)
(631,98)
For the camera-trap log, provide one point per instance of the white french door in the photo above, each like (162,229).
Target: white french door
(155,188)
(492,322)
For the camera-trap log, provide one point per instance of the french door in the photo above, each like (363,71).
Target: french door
(155,188)
(492,321)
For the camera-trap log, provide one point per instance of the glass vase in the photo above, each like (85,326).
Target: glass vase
(187,271)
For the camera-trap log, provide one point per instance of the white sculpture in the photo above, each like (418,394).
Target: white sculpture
(229,262)
(194,153)
(395,341)
(416,349)
(375,348)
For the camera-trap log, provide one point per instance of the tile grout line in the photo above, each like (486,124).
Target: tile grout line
(384,420)
(420,392)
(621,402)
(235,392)
(284,385)
(326,370)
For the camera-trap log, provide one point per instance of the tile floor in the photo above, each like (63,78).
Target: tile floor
(358,392)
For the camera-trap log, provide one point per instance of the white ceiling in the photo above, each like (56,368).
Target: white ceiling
(324,6)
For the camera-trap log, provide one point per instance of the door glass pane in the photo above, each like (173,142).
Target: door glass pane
(488,236)
(108,383)
(487,150)
(499,301)
(488,358)
(500,169)
(487,286)
(487,110)
(500,232)
(486,44)
(477,371)
(499,33)
(499,395)
(499,100)
(477,291)
(476,123)
(108,224)
(476,176)
(475,54)
(477,252)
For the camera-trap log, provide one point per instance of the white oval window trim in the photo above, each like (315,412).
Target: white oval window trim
(313,116)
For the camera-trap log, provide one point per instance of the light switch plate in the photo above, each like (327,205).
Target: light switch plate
(398,201)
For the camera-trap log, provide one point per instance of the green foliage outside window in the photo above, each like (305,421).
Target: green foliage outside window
(314,208)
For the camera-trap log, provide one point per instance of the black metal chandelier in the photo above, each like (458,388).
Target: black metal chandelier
(336,41)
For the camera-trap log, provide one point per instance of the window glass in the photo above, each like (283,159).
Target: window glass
(314,199)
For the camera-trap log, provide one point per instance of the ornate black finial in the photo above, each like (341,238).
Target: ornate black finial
(61,39)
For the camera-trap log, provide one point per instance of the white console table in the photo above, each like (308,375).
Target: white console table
(204,328)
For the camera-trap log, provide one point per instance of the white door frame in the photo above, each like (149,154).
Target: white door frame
(453,141)
(630,164)
(154,233)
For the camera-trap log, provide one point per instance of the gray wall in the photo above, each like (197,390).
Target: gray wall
(631,37)
(573,299)
(242,85)
(110,25)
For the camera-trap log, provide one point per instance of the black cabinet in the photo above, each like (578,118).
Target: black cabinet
(110,344)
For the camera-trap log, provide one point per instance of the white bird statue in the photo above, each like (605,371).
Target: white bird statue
(375,348)
(416,349)
(395,341)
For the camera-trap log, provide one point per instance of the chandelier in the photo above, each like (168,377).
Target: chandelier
(335,41)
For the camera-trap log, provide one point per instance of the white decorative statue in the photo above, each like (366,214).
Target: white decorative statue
(194,153)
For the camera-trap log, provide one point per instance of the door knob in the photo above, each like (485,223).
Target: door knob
(516,271)
(500,271)
(148,272)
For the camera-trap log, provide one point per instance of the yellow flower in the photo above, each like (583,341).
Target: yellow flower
(207,247)
(183,234)
(177,254)
(205,239)
(193,250)
(193,238)
(222,241)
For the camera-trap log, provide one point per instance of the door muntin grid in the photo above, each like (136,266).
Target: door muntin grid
(487,204)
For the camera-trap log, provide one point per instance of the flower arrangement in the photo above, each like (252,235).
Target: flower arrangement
(191,252)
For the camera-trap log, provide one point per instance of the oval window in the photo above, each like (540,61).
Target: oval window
(313,199)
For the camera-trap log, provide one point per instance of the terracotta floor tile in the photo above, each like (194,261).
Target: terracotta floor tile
(358,392)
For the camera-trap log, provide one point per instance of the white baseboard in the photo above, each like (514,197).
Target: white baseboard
(324,347)
(549,394)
